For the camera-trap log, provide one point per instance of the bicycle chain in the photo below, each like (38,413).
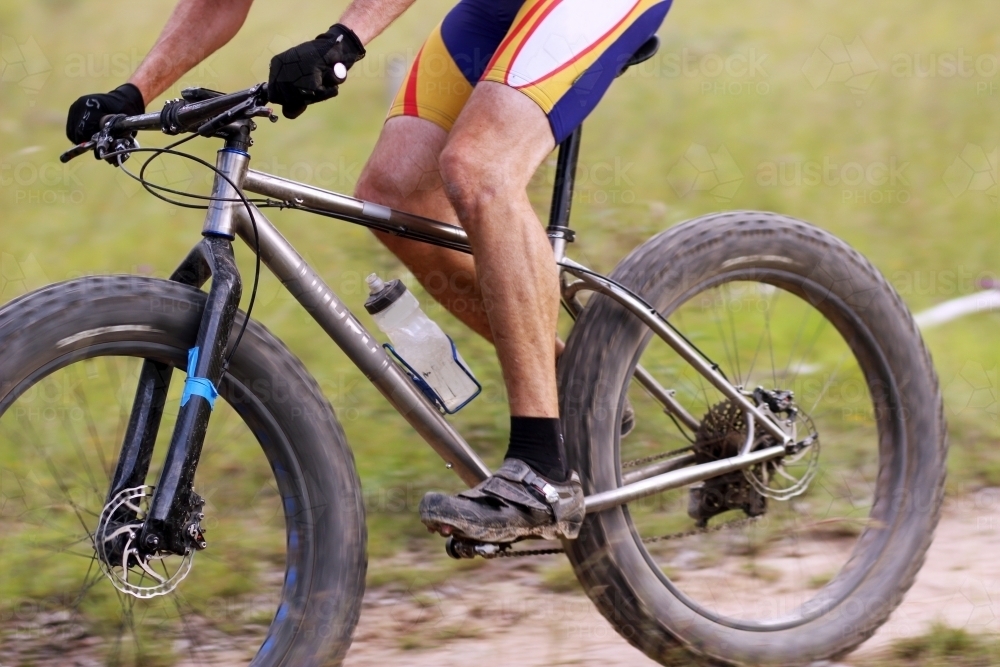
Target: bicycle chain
(511,553)
(656,457)
(728,525)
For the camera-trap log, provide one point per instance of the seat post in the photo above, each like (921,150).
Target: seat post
(562,192)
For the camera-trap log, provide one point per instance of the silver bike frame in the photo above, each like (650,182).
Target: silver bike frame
(231,217)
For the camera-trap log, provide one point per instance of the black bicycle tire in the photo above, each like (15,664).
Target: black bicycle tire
(600,354)
(270,389)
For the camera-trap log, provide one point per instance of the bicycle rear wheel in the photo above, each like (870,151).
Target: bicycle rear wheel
(282,578)
(790,563)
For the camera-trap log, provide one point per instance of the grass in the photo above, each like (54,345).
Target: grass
(890,159)
(940,646)
(559,577)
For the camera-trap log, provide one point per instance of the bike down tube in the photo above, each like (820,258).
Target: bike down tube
(655,321)
(359,345)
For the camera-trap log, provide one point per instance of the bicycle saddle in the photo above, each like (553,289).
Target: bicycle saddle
(643,53)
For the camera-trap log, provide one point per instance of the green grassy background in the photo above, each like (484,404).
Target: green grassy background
(894,151)
(915,112)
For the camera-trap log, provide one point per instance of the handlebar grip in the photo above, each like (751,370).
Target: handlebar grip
(77,150)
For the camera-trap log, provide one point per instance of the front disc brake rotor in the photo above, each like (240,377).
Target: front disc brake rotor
(116,543)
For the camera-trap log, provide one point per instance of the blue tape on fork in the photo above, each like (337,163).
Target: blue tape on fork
(196,386)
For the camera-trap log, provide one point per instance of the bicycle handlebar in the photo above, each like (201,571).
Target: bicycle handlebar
(204,116)
(206,112)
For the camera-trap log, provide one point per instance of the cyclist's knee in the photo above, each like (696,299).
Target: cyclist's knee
(469,180)
(376,185)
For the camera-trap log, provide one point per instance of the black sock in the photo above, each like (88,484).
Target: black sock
(538,442)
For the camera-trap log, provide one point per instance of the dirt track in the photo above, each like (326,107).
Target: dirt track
(501,614)
(509,618)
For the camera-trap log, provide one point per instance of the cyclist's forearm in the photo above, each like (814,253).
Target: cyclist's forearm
(368,18)
(195,30)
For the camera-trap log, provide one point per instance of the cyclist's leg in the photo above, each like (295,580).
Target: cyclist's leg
(403,170)
(497,143)
(545,77)
(494,148)
(403,173)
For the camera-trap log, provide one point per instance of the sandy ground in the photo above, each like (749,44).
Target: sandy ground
(502,614)
(508,618)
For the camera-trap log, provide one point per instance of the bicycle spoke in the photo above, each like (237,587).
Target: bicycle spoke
(64,494)
(760,326)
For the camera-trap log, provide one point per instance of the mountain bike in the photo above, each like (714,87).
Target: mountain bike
(772,505)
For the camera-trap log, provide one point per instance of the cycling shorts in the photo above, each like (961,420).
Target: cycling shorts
(563,54)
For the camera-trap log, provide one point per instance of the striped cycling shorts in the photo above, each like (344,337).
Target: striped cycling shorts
(563,54)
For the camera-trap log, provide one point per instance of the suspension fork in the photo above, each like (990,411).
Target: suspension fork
(174,502)
(151,394)
(174,505)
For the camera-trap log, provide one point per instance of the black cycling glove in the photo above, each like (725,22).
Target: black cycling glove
(304,74)
(85,114)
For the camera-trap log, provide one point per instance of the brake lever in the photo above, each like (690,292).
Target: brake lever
(108,144)
(77,151)
(102,143)
(122,144)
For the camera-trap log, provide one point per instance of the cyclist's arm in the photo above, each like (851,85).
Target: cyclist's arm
(368,18)
(196,30)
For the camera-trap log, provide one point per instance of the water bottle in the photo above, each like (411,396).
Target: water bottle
(426,351)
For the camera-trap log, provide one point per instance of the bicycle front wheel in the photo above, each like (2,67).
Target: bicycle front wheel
(282,577)
(787,562)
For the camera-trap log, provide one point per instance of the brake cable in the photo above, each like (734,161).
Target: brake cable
(152,187)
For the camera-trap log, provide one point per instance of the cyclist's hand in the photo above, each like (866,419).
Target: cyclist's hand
(303,75)
(85,114)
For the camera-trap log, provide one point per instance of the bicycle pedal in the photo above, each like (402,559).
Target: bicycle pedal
(459,548)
